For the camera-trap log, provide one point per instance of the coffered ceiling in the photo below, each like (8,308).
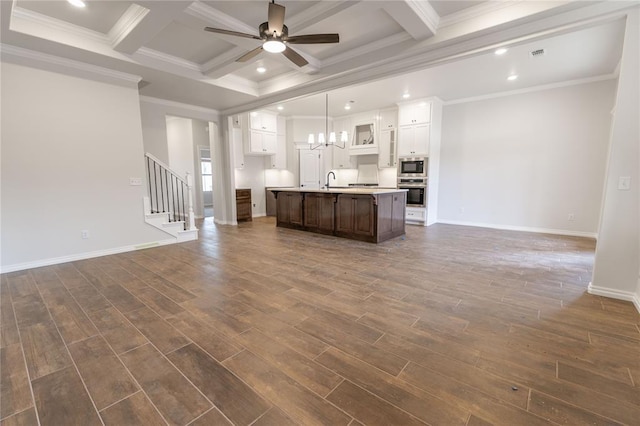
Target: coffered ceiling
(163,43)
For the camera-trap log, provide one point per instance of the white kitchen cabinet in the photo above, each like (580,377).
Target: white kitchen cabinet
(264,121)
(388,119)
(414,113)
(416,215)
(413,141)
(342,159)
(238,152)
(279,159)
(387,154)
(259,133)
(260,143)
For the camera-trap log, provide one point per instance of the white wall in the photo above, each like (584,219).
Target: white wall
(252,177)
(618,250)
(69,147)
(200,132)
(184,136)
(180,145)
(527,161)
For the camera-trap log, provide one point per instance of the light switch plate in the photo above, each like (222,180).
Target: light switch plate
(624,183)
(135,181)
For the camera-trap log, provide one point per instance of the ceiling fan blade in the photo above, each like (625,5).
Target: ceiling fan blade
(314,39)
(250,54)
(276,19)
(294,57)
(233,33)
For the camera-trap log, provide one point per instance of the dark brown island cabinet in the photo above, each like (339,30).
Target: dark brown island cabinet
(372,215)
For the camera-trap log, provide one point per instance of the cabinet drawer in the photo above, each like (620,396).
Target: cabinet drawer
(415,214)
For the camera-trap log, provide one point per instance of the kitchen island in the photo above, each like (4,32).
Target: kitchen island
(365,214)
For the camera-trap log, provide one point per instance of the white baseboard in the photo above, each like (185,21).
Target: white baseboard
(224,222)
(567,232)
(82,256)
(615,294)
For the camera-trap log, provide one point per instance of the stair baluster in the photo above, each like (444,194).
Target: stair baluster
(167,193)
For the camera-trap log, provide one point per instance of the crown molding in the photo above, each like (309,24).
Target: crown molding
(426,13)
(127,22)
(20,15)
(82,69)
(239,84)
(209,14)
(475,12)
(367,48)
(180,105)
(539,88)
(155,55)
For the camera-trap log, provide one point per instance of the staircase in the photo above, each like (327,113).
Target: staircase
(169,205)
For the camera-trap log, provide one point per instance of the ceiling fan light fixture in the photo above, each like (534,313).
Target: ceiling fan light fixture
(274,46)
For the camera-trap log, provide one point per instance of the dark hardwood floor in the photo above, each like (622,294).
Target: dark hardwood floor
(268,326)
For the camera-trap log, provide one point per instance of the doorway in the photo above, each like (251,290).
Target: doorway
(206,174)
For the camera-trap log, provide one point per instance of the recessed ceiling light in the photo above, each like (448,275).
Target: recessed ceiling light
(77,3)
(406,96)
(261,69)
(347,107)
(501,51)
(280,107)
(512,77)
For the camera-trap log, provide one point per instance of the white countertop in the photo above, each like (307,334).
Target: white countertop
(362,191)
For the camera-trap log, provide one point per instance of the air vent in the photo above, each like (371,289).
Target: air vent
(537,53)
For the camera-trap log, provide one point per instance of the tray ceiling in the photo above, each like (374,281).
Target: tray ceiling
(163,43)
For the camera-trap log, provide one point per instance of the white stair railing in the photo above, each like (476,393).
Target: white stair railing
(170,193)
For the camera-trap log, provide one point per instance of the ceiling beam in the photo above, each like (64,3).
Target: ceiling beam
(417,18)
(320,11)
(226,63)
(142,22)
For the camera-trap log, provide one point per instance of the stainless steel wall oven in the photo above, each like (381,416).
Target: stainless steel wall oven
(416,191)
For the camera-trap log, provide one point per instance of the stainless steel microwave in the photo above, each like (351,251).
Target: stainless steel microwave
(412,166)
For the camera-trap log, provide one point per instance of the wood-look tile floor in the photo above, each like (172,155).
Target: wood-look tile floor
(266,326)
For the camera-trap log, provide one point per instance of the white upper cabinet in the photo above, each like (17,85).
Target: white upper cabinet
(388,119)
(264,121)
(414,113)
(259,133)
(279,159)
(413,141)
(341,158)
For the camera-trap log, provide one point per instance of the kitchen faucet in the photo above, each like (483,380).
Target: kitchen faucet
(329,174)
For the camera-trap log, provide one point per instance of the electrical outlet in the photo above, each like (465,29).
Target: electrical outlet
(624,183)
(571,217)
(85,234)
(135,181)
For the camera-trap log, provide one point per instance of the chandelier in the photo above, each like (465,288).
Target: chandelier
(332,139)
